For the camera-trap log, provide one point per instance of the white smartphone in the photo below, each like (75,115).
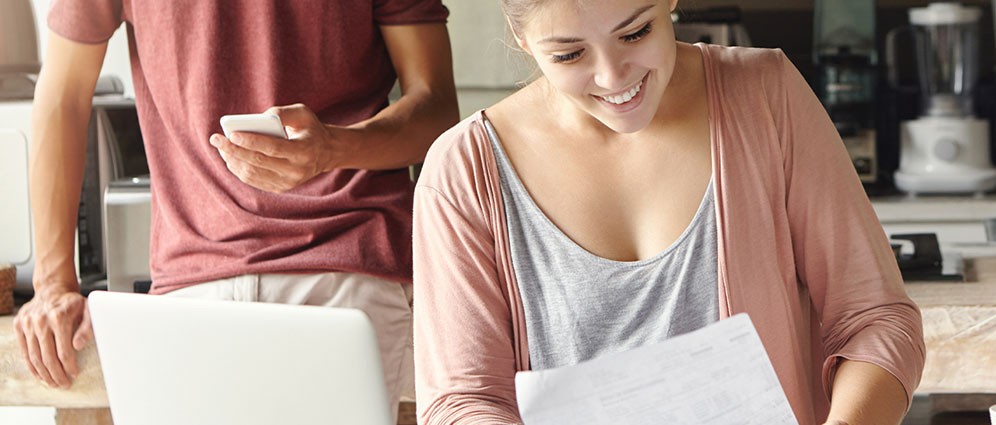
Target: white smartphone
(265,124)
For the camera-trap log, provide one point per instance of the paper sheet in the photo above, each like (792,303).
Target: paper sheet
(718,375)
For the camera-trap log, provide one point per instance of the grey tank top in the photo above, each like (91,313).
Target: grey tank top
(579,306)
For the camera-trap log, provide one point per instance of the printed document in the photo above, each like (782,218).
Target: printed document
(718,375)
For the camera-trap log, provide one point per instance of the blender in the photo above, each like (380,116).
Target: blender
(844,52)
(945,149)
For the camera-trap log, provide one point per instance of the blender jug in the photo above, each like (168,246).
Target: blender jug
(948,62)
(946,40)
(945,149)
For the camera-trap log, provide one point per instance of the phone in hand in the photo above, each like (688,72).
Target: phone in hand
(265,124)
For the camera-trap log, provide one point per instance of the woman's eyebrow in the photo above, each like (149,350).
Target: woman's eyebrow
(633,17)
(623,24)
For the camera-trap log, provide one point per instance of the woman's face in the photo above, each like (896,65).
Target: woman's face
(613,59)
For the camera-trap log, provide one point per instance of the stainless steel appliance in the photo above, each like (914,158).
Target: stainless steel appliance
(946,149)
(127,220)
(844,53)
(115,150)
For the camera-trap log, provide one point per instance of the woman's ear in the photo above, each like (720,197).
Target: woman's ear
(673,4)
(518,40)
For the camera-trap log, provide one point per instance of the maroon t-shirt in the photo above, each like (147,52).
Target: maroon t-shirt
(196,60)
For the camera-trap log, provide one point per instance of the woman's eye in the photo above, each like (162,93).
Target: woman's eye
(570,57)
(629,38)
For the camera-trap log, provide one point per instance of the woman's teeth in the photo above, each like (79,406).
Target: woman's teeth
(625,97)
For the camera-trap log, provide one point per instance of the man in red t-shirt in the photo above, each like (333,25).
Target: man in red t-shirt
(324,218)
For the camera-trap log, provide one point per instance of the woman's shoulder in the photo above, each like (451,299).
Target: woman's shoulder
(749,76)
(747,68)
(460,169)
(458,150)
(526,105)
(743,59)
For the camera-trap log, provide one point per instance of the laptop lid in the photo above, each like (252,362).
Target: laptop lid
(180,361)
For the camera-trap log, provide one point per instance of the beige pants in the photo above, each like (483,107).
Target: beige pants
(388,304)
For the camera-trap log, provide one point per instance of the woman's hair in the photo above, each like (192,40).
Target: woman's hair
(518,12)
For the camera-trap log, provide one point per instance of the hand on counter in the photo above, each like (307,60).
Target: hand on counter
(51,329)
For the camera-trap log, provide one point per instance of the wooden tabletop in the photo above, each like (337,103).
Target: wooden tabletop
(19,388)
(959,322)
(959,330)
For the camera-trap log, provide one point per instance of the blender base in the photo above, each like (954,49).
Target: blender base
(967,181)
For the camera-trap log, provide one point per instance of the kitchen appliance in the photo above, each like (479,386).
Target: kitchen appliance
(15,223)
(114,150)
(715,25)
(946,149)
(925,263)
(127,222)
(845,56)
(18,50)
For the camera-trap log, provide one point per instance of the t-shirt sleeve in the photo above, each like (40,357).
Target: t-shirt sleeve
(85,21)
(408,12)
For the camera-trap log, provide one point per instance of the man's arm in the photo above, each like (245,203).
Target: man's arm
(54,325)
(396,137)
(864,393)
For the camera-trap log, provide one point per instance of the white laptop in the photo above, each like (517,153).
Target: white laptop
(175,361)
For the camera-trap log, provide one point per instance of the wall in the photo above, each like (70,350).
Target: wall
(486,65)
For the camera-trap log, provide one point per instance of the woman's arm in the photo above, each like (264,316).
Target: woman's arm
(871,332)
(465,361)
(864,393)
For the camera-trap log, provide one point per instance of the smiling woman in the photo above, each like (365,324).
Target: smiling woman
(639,189)
(607,74)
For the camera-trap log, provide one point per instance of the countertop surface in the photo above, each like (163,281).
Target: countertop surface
(959,330)
(959,321)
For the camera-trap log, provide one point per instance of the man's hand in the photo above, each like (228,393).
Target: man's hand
(276,165)
(50,329)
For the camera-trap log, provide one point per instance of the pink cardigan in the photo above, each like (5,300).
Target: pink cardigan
(800,251)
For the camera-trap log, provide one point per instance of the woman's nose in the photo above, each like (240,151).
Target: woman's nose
(610,72)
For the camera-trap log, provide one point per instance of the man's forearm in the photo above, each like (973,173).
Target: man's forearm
(864,393)
(400,134)
(56,175)
(59,120)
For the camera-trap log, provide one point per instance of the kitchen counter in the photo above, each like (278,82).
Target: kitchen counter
(959,322)
(959,330)
(897,209)
(84,403)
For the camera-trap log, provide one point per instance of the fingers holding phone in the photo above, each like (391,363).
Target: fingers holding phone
(256,149)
